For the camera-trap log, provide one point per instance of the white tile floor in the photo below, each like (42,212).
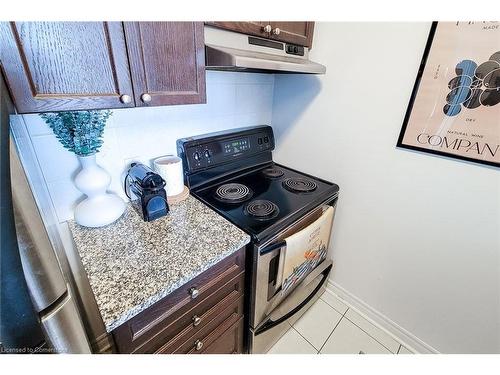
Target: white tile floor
(331,327)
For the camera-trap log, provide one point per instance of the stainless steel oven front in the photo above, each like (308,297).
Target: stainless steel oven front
(271,312)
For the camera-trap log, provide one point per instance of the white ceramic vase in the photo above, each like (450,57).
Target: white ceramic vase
(100,207)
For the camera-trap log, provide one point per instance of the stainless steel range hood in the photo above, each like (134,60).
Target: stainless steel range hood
(227,50)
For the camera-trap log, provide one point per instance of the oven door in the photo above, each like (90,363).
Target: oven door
(273,306)
(269,264)
(263,337)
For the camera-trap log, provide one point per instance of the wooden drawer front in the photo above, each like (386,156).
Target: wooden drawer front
(218,323)
(134,333)
(231,341)
(179,330)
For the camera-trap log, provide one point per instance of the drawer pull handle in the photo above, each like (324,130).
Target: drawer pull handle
(196,320)
(193,292)
(198,344)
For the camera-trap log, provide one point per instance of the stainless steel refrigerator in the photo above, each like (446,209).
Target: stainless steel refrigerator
(38,311)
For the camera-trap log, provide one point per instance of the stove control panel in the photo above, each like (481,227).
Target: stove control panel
(206,151)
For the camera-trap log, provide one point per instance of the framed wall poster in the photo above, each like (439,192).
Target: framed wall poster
(454,109)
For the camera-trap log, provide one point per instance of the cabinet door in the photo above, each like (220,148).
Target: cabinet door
(300,33)
(167,61)
(256,28)
(60,66)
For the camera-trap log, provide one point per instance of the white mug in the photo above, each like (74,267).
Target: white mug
(169,167)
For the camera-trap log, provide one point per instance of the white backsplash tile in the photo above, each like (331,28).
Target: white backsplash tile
(65,196)
(255,78)
(222,77)
(221,99)
(250,119)
(250,97)
(37,125)
(142,134)
(57,162)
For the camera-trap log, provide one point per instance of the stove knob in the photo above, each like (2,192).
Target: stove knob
(207,154)
(196,156)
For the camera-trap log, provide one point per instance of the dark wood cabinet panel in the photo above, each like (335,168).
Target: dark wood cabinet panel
(220,322)
(189,321)
(294,32)
(230,342)
(170,322)
(204,316)
(300,33)
(55,66)
(167,61)
(256,28)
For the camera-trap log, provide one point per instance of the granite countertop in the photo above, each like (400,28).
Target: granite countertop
(131,264)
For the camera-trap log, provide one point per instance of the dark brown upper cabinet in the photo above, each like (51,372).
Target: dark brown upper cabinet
(58,66)
(62,66)
(167,61)
(257,28)
(300,33)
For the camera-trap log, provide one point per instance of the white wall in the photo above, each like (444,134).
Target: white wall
(233,100)
(416,237)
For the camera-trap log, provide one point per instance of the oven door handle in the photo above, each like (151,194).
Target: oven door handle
(272,247)
(272,323)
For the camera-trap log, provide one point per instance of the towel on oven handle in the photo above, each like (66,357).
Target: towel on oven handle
(305,249)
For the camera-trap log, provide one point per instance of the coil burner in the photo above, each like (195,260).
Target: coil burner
(261,209)
(233,193)
(273,172)
(299,185)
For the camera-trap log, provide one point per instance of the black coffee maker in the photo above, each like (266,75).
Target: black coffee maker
(148,187)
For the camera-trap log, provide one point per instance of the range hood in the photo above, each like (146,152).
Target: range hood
(228,50)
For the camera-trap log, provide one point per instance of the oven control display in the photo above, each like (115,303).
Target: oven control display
(236,146)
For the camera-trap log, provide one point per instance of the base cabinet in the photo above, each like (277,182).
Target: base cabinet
(231,341)
(203,316)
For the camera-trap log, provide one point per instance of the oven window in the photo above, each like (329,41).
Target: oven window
(272,288)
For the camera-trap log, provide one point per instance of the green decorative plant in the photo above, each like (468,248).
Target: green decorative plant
(78,131)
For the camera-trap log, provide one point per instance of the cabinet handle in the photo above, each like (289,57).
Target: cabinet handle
(267,29)
(193,292)
(196,320)
(146,98)
(277,31)
(125,99)
(198,344)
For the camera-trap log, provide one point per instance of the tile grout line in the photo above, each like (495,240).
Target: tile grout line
(364,330)
(296,330)
(372,336)
(334,328)
(325,301)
